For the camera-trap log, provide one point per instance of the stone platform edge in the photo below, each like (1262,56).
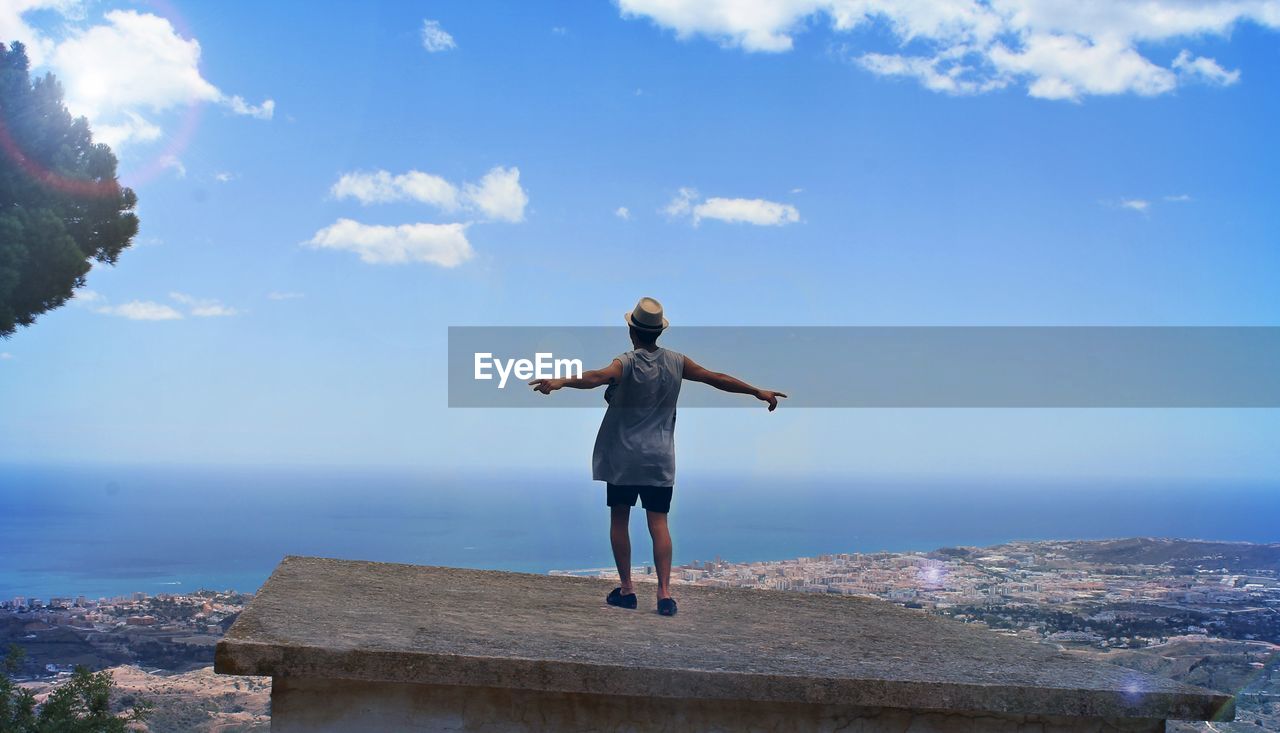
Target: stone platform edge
(242,657)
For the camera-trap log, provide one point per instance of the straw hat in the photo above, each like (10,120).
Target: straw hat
(647,316)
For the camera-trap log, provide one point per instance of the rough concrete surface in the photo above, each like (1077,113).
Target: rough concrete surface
(338,619)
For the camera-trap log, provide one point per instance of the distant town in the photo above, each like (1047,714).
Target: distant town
(168,631)
(1206,613)
(1122,594)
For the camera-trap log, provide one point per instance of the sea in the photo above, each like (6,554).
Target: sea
(103,531)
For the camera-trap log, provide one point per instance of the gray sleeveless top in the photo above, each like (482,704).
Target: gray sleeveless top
(636,443)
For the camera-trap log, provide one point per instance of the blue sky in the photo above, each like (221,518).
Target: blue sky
(823,162)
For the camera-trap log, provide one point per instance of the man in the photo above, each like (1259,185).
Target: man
(635,448)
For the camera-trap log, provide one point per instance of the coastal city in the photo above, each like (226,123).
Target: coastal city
(172,632)
(1112,591)
(1205,613)
(207,610)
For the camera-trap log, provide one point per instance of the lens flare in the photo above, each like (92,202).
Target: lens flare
(145,171)
(931,575)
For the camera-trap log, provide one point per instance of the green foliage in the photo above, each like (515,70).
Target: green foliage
(61,207)
(80,705)
(17,706)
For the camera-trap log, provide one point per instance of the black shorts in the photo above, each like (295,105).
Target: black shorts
(652,498)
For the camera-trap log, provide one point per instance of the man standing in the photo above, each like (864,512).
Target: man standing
(635,453)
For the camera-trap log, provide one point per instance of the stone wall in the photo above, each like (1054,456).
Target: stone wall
(347,706)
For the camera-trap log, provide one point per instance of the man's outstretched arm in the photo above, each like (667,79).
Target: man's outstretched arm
(694,372)
(589,379)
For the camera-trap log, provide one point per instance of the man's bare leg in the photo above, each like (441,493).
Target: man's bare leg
(620,538)
(661,551)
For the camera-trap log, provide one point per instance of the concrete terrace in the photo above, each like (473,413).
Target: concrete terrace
(433,648)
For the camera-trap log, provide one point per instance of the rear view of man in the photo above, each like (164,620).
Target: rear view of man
(635,448)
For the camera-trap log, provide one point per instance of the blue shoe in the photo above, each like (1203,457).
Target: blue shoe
(666,606)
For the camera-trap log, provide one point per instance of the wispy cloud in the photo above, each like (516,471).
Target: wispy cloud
(1147,205)
(141,310)
(224,176)
(436,39)
(204,307)
(264,111)
(445,245)
(277,295)
(622,212)
(150,310)
(5,356)
(1199,68)
(759,212)
(172,163)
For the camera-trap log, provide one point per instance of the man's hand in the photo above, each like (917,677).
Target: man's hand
(547,386)
(770,397)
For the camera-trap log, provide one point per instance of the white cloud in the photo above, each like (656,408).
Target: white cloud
(285,295)
(5,356)
(499,195)
(559,30)
(264,111)
(120,72)
(940,73)
(204,307)
(622,212)
(1204,69)
(1180,198)
(224,176)
(1139,205)
(130,127)
(1058,50)
(141,310)
(13,27)
(755,25)
(1065,67)
(746,211)
(759,212)
(380,187)
(134,61)
(445,245)
(85,296)
(434,38)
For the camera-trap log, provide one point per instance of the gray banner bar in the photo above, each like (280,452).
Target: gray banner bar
(837,366)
